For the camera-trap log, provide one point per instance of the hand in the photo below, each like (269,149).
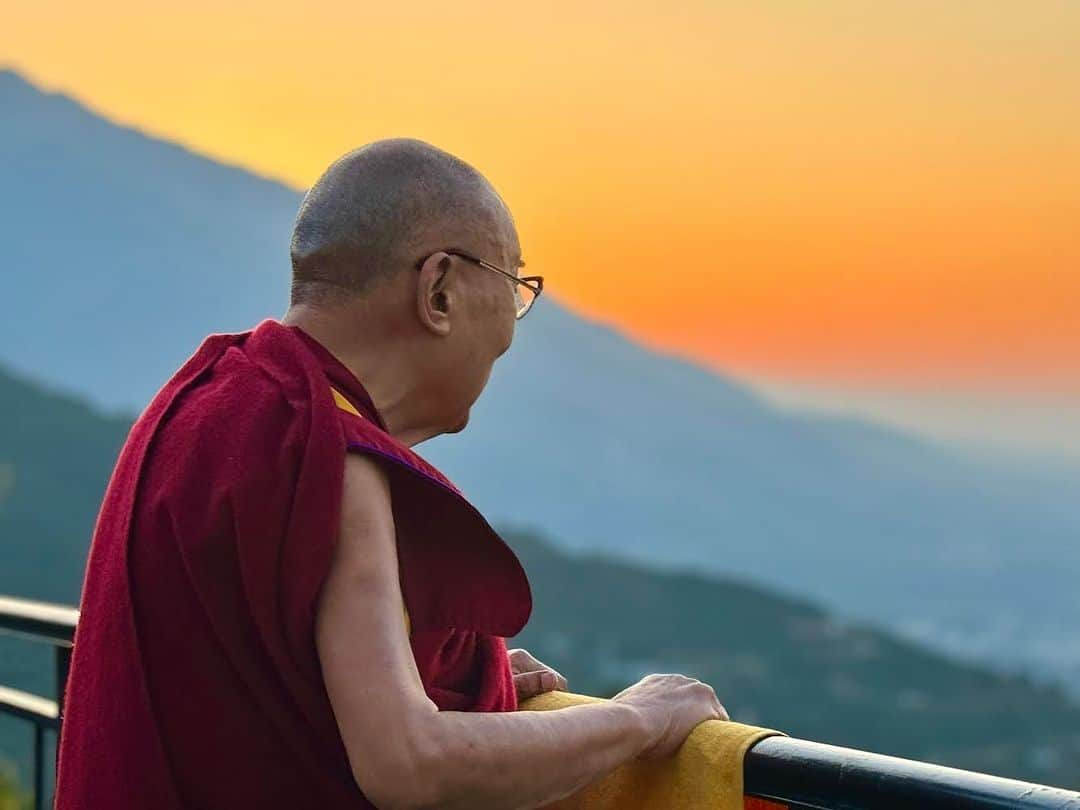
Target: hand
(672,706)
(532,677)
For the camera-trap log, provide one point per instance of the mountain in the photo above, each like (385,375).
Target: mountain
(775,660)
(785,663)
(123,251)
(55,459)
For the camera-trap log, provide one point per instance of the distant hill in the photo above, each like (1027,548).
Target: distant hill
(787,664)
(122,251)
(775,660)
(56,456)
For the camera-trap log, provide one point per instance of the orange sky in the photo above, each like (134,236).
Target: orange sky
(868,193)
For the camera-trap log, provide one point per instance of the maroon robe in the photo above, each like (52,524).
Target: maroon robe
(195,681)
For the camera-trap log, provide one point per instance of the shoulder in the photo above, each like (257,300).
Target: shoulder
(232,423)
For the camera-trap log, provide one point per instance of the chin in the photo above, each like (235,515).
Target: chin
(460,426)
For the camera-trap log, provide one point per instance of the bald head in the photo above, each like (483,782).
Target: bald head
(376,208)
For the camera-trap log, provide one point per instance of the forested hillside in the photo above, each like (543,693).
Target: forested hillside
(775,660)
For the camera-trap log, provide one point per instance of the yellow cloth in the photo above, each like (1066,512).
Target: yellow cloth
(706,772)
(342,402)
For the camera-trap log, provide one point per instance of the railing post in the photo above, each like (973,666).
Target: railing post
(63,665)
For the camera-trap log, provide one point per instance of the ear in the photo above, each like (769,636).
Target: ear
(434,299)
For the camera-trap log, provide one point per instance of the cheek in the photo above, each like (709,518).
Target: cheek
(501,305)
(489,337)
(479,373)
(508,335)
(472,365)
(502,334)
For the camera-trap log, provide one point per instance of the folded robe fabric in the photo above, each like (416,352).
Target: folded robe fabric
(195,681)
(706,773)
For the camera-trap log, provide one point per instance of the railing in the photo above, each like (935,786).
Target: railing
(55,625)
(780,772)
(787,773)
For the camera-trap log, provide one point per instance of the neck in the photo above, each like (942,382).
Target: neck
(379,364)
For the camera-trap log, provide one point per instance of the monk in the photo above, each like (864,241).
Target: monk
(284,605)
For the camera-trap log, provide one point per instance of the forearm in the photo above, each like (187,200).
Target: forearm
(529,759)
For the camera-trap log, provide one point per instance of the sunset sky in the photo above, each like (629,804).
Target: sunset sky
(829,195)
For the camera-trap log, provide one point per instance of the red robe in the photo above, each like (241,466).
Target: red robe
(195,681)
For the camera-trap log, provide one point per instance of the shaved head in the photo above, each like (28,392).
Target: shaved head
(405,267)
(376,208)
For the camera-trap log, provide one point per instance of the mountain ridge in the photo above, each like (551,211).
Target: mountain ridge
(14,85)
(141,249)
(776,659)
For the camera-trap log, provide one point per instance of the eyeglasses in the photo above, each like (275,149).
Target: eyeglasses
(526,288)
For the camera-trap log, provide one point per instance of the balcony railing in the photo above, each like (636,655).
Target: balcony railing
(780,772)
(51,624)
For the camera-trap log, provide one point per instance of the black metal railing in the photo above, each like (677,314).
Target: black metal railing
(780,772)
(51,624)
(791,773)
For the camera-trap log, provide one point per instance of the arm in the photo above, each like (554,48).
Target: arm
(405,752)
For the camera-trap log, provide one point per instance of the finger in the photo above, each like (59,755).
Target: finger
(560,680)
(528,684)
(560,683)
(722,711)
(523,661)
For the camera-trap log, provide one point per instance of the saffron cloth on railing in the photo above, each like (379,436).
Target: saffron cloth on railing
(706,773)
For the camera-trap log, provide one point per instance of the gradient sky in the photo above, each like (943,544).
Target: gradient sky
(854,194)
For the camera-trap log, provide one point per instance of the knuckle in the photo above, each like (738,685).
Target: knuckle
(525,682)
